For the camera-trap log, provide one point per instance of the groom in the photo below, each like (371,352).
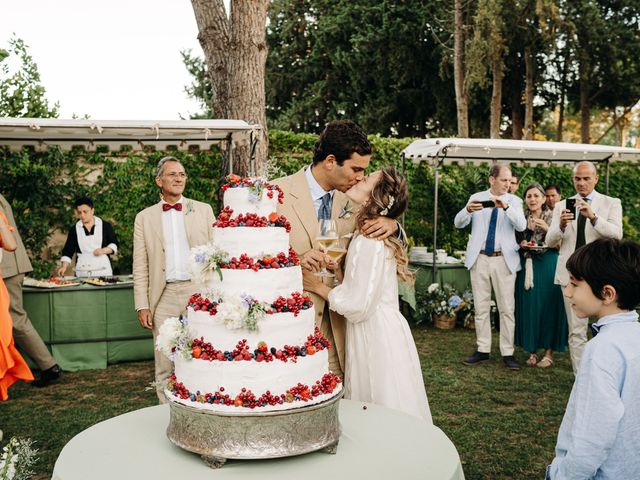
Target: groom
(340,157)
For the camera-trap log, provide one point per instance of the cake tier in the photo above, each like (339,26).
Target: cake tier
(243,200)
(254,241)
(264,285)
(277,329)
(201,377)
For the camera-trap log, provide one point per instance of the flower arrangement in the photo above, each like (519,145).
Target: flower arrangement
(466,311)
(443,300)
(205,259)
(18,456)
(174,337)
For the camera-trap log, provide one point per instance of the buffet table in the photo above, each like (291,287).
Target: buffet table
(376,443)
(86,326)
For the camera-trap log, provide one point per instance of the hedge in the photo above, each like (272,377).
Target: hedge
(43,185)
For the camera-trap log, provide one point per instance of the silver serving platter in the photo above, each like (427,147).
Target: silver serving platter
(219,436)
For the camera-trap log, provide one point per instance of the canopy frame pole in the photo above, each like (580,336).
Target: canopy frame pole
(403,159)
(253,142)
(230,153)
(436,160)
(606,184)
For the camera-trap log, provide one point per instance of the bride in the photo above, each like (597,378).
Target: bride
(381,360)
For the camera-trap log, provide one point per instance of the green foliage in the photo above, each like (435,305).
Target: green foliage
(21,93)
(42,187)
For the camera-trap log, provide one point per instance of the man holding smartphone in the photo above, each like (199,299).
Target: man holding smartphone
(579,220)
(493,260)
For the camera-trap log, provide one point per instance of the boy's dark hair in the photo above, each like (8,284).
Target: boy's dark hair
(609,262)
(554,186)
(341,138)
(83,201)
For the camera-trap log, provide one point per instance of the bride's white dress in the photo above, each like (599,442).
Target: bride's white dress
(381,360)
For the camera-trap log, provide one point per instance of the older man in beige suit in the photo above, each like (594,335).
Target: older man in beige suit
(341,156)
(162,237)
(595,216)
(14,267)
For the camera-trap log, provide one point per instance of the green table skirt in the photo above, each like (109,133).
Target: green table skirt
(88,327)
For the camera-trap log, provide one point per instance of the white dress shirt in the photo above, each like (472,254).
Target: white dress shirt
(176,245)
(599,437)
(317,192)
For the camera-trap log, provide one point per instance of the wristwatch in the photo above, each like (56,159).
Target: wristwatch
(594,219)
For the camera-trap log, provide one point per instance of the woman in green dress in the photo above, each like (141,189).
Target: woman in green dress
(541,322)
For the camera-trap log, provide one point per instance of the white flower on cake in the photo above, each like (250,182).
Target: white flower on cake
(205,259)
(232,312)
(174,337)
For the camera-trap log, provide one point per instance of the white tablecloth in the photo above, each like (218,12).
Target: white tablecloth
(376,443)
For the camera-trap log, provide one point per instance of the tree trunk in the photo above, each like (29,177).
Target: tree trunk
(516,110)
(529,91)
(213,27)
(563,90)
(496,97)
(462,105)
(235,51)
(583,72)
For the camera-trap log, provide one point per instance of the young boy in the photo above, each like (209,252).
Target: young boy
(600,433)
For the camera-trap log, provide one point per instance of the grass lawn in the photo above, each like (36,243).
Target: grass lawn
(503,423)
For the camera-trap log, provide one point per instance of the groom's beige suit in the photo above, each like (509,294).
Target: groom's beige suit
(299,210)
(150,288)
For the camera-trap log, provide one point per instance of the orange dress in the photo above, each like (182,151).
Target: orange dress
(12,365)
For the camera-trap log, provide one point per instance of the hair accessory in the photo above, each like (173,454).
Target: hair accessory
(386,209)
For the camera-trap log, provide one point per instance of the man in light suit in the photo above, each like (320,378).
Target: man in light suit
(598,216)
(14,267)
(162,237)
(341,156)
(492,257)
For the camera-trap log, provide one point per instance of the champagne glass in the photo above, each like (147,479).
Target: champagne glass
(336,252)
(327,237)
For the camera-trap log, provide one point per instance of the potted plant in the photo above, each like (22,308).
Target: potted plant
(443,303)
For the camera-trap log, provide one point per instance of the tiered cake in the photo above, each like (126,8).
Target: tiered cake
(248,342)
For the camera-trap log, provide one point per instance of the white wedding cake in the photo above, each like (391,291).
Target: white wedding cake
(248,341)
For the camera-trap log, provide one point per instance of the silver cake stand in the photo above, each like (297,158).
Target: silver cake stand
(217,437)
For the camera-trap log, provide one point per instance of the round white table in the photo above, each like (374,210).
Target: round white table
(376,443)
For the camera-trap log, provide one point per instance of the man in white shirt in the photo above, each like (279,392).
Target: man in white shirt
(595,216)
(163,235)
(492,257)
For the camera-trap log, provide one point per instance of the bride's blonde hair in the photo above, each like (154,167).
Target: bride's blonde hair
(389,198)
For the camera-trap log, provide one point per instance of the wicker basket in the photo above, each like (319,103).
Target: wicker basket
(444,322)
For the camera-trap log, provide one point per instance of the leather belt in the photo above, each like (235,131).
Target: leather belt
(494,254)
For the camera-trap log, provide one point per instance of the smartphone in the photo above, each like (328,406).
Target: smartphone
(488,204)
(571,205)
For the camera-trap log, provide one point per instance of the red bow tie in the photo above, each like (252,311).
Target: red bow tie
(166,207)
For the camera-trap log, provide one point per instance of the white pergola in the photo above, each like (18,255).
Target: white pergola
(42,133)
(478,151)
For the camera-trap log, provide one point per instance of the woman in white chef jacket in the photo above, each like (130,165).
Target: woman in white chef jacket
(92,239)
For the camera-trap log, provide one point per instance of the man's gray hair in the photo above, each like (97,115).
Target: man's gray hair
(161,163)
(496,168)
(585,162)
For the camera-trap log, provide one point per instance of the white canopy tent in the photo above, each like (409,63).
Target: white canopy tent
(42,133)
(478,151)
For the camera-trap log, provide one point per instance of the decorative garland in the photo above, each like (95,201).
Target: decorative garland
(225,220)
(248,399)
(206,351)
(256,185)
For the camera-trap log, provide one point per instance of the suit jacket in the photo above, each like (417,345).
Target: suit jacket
(298,208)
(13,263)
(149,278)
(513,220)
(608,225)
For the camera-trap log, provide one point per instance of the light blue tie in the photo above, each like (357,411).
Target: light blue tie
(490,244)
(324,212)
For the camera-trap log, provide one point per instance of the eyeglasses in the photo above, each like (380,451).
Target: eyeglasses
(174,175)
